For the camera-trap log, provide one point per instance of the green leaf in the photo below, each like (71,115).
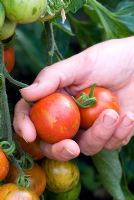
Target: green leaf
(64,27)
(112,24)
(110,170)
(125,13)
(75,5)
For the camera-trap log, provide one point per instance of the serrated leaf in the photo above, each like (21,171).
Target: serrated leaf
(110,170)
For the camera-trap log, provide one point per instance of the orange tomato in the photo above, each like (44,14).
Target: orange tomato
(56,117)
(14,192)
(105,99)
(37,178)
(4,165)
(33,148)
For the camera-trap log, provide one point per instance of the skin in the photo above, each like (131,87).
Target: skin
(109,64)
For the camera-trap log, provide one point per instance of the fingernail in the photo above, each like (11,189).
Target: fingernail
(128,120)
(109,119)
(68,153)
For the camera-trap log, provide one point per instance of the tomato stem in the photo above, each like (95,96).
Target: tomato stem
(86,101)
(13,81)
(23,179)
(49,34)
(7,147)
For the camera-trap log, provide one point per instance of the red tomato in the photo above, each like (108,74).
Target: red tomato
(9,59)
(105,99)
(37,178)
(4,165)
(14,192)
(33,148)
(56,117)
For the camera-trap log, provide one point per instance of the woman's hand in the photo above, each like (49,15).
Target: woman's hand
(109,64)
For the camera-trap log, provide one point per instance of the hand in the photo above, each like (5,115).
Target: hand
(111,65)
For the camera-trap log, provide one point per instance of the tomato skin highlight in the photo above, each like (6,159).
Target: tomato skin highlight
(56,117)
(33,148)
(13,192)
(9,58)
(4,165)
(105,100)
(37,177)
(61,176)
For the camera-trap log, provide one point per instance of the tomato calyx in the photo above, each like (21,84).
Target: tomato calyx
(86,101)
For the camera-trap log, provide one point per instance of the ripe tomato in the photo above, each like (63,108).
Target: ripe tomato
(9,58)
(56,117)
(24,11)
(4,165)
(7,30)
(61,176)
(14,192)
(105,99)
(32,148)
(37,178)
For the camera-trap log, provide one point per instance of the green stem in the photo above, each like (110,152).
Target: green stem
(57,53)
(49,34)
(1,57)
(6,112)
(23,179)
(85,100)
(13,81)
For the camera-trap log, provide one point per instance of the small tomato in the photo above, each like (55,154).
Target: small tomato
(4,165)
(37,178)
(104,99)
(56,117)
(14,192)
(9,58)
(61,176)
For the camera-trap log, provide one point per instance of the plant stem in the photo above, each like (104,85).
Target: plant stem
(57,52)
(1,57)
(13,81)
(50,42)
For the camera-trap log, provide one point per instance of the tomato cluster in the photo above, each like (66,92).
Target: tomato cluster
(57,116)
(60,178)
(19,12)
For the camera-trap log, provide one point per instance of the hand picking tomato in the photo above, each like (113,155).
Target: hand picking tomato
(56,117)
(37,178)
(9,58)
(61,176)
(92,101)
(14,192)
(4,165)
(33,148)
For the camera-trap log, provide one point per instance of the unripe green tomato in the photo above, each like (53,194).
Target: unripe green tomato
(7,30)
(24,11)
(72,194)
(2,15)
(61,176)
